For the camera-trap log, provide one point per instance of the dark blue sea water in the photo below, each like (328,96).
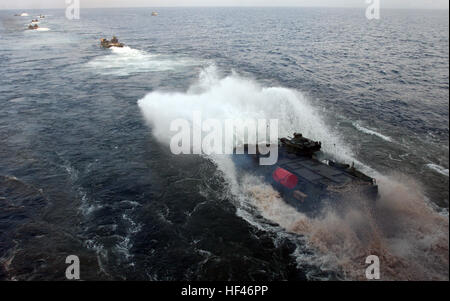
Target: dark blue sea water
(85,170)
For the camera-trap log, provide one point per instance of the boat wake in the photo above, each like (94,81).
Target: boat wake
(128,61)
(410,238)
(371,132)
(111,238)
(38,29)
(438,169)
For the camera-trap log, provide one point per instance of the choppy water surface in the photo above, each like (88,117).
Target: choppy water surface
(85,166)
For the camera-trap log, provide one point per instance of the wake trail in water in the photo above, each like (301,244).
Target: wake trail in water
(40,29)
(371,132)
(123,61)
(438,169)
(410,238)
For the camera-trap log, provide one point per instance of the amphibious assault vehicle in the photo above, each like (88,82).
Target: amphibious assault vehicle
(304,180)
(113,43)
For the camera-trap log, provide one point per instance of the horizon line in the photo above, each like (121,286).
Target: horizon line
(238,6)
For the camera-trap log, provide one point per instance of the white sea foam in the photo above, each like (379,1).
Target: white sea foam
(438,169)
(371,132)
(18,99)
(38,29)
(237,97)
(126,61)
(125,243)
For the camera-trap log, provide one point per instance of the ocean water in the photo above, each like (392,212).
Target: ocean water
(85,167)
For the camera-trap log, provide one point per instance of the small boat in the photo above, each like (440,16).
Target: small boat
(113,43)
(33,27)
(154,14)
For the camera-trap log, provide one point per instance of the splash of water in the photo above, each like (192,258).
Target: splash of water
(236,97)
(409,237)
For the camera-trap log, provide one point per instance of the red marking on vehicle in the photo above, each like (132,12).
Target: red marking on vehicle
(285,178)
